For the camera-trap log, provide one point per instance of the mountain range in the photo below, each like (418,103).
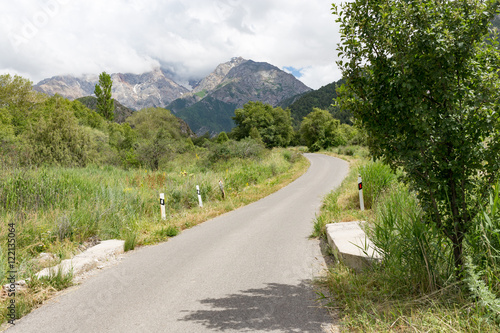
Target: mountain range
(207,107)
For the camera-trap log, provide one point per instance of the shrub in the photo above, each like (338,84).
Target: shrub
(483,255)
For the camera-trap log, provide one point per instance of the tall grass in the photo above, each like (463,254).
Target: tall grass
(416,255)
(483,258)
(56,209)
(56,205)
(376,177)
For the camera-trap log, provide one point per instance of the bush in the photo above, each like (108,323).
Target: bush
(57,138)
(246,148)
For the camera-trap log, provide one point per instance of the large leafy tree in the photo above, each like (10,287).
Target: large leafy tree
(54,136)
(319,130)
(423,80)
(105,103)
(273,125)
(18,101)
(157,130)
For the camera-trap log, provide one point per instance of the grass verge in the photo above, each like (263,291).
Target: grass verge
(410,291)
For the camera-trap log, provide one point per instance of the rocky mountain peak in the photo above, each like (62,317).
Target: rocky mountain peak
(215,78)
(211,103)
(136,91)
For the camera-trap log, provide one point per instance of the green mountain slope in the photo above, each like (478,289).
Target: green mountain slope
(209,115)
(323,98)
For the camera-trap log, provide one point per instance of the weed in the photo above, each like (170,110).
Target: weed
(130,241)
(169,231)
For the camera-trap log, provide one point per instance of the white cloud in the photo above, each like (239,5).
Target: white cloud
(43,38)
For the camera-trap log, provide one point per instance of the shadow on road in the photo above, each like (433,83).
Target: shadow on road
(280,307)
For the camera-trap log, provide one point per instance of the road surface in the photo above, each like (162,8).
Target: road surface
(246,271)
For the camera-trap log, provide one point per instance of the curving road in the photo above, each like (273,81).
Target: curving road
(246,271)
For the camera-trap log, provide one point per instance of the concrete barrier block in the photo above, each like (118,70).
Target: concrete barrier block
(350,245)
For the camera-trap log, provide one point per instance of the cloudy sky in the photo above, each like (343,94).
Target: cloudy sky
(43,38)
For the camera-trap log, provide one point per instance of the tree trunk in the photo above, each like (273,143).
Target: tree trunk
(458,260)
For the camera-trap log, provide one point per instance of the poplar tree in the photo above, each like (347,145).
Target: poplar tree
(105,104)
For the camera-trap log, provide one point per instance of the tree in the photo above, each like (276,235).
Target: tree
(424,83)
(156,129)
(55,138)
(274,125)
(222,137)
(19,100)
(319,130)
(105,104)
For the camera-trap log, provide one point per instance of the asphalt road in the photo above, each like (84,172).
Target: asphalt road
(246,271)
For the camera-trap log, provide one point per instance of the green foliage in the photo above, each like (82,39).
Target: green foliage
(169,231)
(222,137)
(17,92)
(483,257)
(320,131)
(424,84)
(57,280)
(246,148)
(130,240)
(274,125)
(121,112)
(156,130)
(56,138)
(17,100)
(6,128)
(377,178)
(86,116)
(105,103)
(323,98)
(147,122)
(413,287)
(416,255)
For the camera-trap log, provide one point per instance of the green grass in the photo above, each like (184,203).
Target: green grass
(56,209)
(342,205)
(377,178)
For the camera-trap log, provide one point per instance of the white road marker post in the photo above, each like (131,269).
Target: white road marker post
(221,186)
(360,187)
(162,206)
(199,196)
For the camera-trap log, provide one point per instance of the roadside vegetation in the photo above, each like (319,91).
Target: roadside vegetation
(70,176)
(414,288)
(56,209)
(422,79)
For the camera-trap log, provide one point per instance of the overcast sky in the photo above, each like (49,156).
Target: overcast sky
(43,38)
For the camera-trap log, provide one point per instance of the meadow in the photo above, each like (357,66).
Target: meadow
(57,209)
